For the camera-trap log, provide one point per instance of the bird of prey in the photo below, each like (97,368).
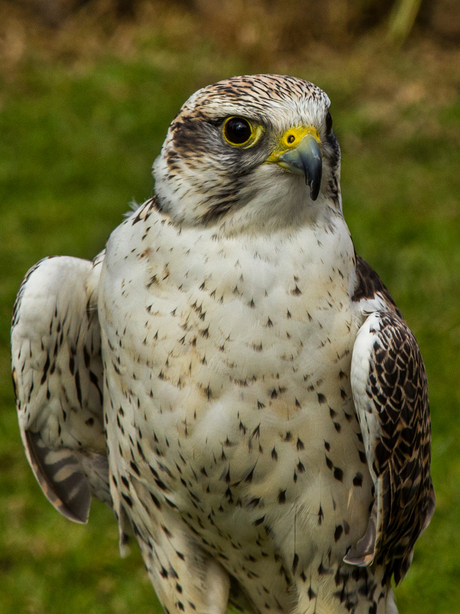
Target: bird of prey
(230,377)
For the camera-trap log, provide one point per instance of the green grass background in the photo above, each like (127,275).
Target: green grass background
(78,136)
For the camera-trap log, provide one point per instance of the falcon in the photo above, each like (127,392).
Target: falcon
(230,377)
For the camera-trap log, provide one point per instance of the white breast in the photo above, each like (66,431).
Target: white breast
(201,312)
(228,351)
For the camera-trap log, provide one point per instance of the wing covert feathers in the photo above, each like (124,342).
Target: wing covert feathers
(57,372)
(390,392)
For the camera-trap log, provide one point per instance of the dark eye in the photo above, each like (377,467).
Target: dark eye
(328,123)
(237,130)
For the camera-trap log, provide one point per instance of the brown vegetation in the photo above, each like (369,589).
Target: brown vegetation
(261,31)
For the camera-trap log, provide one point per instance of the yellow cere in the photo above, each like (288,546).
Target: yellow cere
(291,139)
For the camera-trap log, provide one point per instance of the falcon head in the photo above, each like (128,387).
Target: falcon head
(251,151)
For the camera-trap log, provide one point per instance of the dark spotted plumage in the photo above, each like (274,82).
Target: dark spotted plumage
(241,380)
(398,445)
(369,284)
(57,371)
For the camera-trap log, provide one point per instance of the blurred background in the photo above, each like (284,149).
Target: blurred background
(87,90)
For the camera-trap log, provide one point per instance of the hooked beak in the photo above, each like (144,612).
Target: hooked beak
(305,159)
(300,153)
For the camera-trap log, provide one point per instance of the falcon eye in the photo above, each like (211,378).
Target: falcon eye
(237,131)
(328,123)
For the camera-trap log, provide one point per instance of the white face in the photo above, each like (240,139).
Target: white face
(221,160)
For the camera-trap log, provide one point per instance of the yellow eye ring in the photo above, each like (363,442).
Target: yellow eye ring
(240,132)
(237,131)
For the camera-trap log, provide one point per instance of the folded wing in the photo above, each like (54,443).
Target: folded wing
(391,398)
(58,377)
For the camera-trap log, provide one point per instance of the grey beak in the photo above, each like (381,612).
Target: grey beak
(306,159)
